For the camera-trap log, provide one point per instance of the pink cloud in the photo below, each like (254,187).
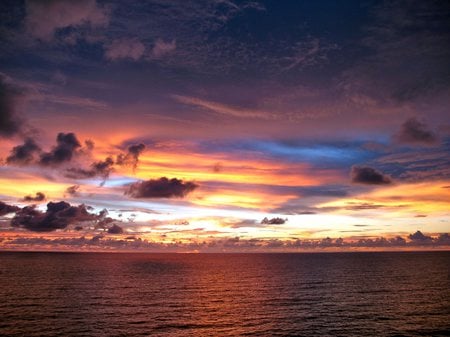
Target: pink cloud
(125,48)
(43,18)
(162,48)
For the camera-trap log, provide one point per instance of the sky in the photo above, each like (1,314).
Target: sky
(221,126)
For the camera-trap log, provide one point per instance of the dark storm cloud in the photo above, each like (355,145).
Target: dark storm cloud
(132,156)
(9,123)
(368,175)
(115,229)
(161,188)
(273,221)
(38,197)
(416,132)
(98,169)
(57,216)
(7,209)
(66,146)
(24,154)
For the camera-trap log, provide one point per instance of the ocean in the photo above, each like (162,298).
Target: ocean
(302,294)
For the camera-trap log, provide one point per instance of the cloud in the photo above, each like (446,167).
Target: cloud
(9,122)
(408,43)
(307,53)
(273,221)
(224,109)
(70,101)
(57,216)
(162,48)
(73,190)
(67,144)
(44,18)
(115,229)
(7,209)
(132,156)
(161,188)
(124,49)
(369,176)
(230,244)
(98,169)
(243,223)
(362,206)
(38,197)
(419,164)
(420,238)
(416,132)
(443,239)
(24,154)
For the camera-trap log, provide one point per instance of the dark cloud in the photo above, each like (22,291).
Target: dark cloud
(7,209)
(103,219)
(443,239)
(218,167)
(72,190)
(23,154)
(273,221)
(244,223)
(66,145)
(89,144)
(9,123)
(161,188)
(235,244)
(419,238)
(38,197)
(132,156)
(368,175)
(98,169)
(416,132)
(115,229)
(354,206)
(57,216)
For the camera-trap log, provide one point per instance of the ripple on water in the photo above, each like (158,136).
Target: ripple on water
(372,294)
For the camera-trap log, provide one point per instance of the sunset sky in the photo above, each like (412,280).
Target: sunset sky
(224,125)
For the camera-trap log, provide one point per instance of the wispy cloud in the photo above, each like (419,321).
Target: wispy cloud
(44,18)
(225,109)
(307,53)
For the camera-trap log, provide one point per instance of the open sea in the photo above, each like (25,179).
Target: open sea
(318,294)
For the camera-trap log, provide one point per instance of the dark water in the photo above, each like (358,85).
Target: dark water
(340,294)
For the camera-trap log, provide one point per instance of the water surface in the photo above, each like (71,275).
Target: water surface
(329,294)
